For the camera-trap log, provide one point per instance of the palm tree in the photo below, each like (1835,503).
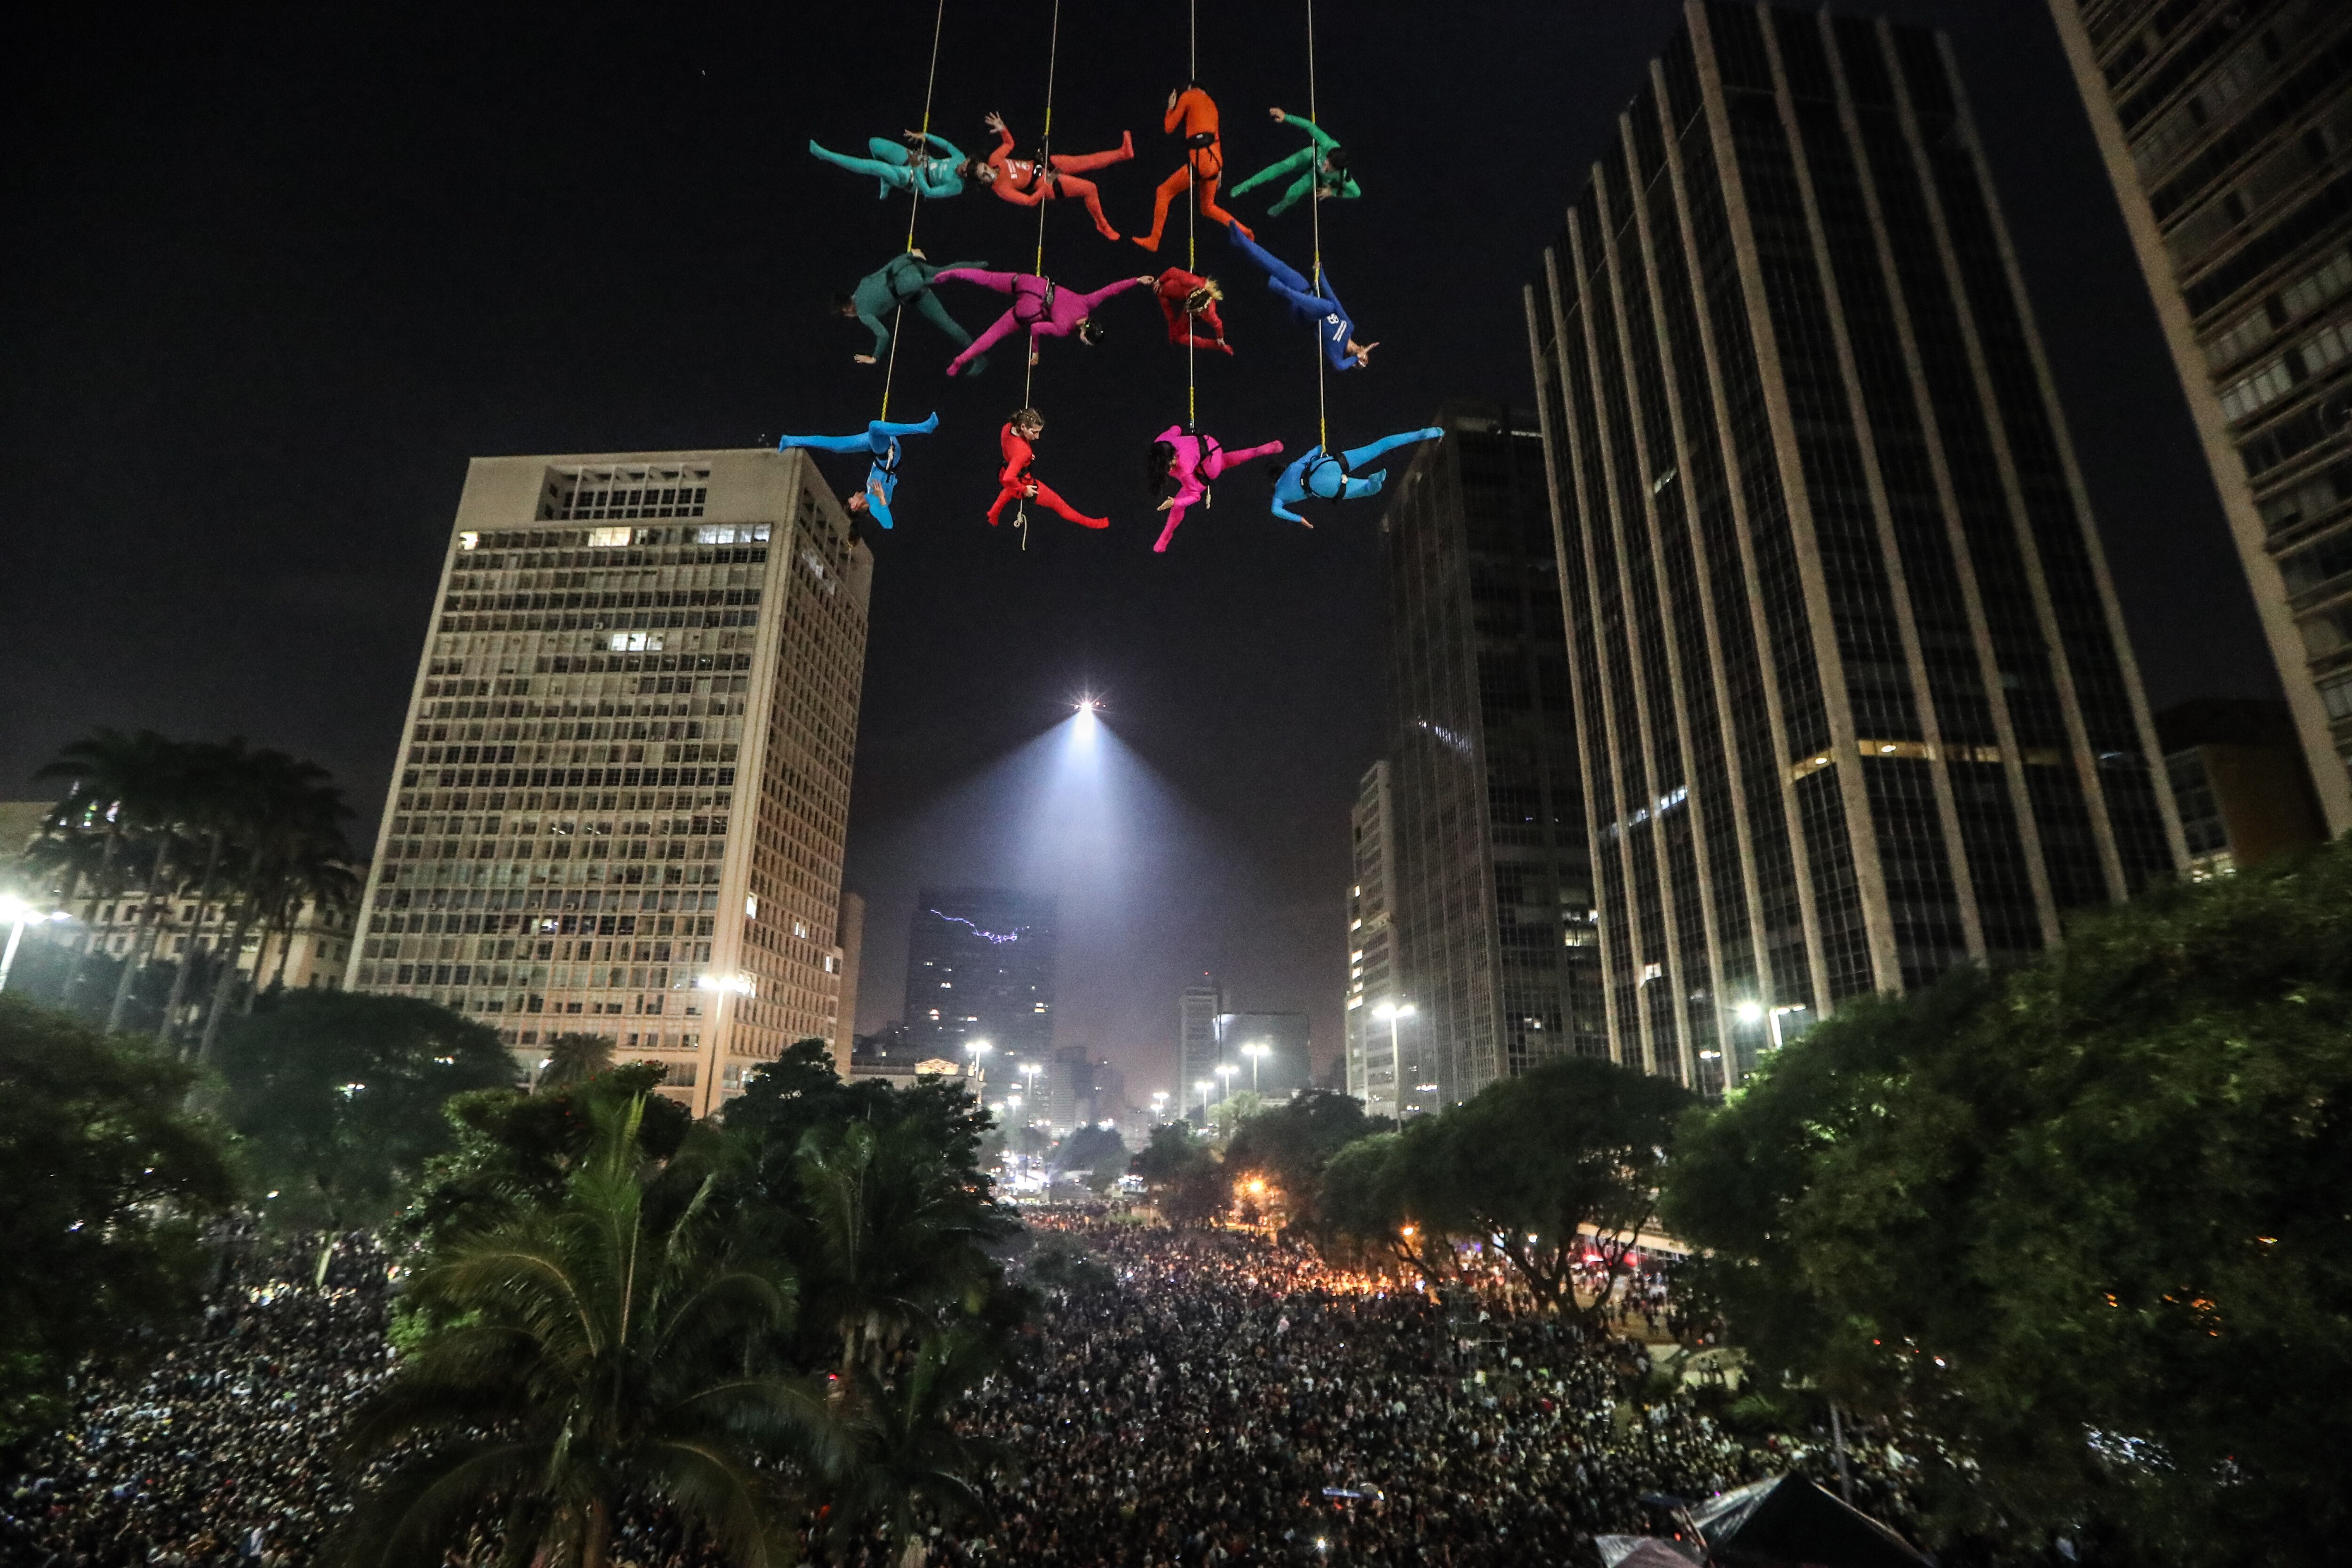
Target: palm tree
(220,787)
(617,1347)
(575,1059)
(909,1462)
(291,848)
(126,783)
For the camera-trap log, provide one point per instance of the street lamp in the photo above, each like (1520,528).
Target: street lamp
(1204,1084)
(1255,1051)
(1158,1104)
(1225,1070)
(1392,1011)
(18,914)
(979,1050)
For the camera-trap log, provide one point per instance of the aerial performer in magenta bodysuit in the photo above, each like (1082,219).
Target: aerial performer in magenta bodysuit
(1017,481)
(1016,179)
(1204,163)
(1327,178)
(903,280)
(934,174)
(1317,473)
(880,439)
(1322,310)
(1185,299)
(1194,462)
(1040,304)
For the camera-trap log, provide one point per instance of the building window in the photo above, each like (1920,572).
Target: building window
(2337,694)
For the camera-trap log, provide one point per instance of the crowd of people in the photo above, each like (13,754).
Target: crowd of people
(1191,1397)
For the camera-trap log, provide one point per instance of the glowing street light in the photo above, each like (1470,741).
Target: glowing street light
(18,914)
(1392,1011)
(1225,1070)
(1159,1103)
(978,1050)
(1204,1084)
(1255,1051)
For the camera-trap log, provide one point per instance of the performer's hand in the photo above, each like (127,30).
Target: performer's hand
(1278,115)
(1147,277)
(1029,494)
(993,120)
(866,359)
(1169,502)
(1171,98)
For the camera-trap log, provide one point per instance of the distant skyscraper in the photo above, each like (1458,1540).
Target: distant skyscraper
(1854,697)
(1489,888)
(623,785)
(2227,128)
(1196,1045)
(850,938)
(979,966)
(2239,782)
(1371,1063)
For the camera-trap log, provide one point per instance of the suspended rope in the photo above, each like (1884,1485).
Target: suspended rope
(914,208)
(1045,169)
(1315,214)
(1192,244)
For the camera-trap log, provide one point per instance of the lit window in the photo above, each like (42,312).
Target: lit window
(607,538)
(468,541)
(750,906)
(636,642)
(732,533)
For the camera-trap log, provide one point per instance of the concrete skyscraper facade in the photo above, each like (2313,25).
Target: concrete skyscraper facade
(1490,888)
(1371,948)
(2227,128)
(979,966)
(1851,684)
(1196,1047)
(623,785)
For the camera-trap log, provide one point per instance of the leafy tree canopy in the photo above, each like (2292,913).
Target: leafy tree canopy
(1289,1144)
(1183,1175)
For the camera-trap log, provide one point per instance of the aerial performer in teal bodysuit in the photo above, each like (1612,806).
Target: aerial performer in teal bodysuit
(936,174)
(1194,462)
(903,280)
(1040,304)
(881,439)
(1323,311)
(1317,473)
(1329,177)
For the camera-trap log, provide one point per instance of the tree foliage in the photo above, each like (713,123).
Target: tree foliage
(104,1184)
(2086,1224)
(1183,1175)
(1287,1146)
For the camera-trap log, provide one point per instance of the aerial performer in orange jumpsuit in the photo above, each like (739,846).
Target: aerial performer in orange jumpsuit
(1184,298)
(879,439)
(1040,304)
(1017,481)
(1016,179)
(1204,163)
(1194,462)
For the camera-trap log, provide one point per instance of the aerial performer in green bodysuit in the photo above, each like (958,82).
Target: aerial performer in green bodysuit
(879,438)
(1318,474)
(937,174)
(903,280)
(1327,178)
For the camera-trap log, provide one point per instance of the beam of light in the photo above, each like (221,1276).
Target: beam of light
(999,937)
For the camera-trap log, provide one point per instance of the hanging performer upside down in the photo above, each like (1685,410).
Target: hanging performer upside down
(903,280)
(881,439)
(899,169)
(1322,310)
(1184,298)
(1016,179)
(1204,163)
(1040,304)
(1194,462)
(1329,177)
(1317,473)
(1016,481)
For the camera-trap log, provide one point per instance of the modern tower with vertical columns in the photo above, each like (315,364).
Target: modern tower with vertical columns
(622,787)
(1852,691)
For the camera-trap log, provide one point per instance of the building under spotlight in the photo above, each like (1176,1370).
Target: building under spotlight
(1196,1048)
(1851,680)
(1370,1059)
(1481,866)
(980,967)
(2227,128)
(623,784)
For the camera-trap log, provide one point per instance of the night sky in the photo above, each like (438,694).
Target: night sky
(277,273)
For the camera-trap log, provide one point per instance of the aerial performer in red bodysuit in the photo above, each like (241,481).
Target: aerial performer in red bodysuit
(1040,304)
(1184,298)
(1204,163)
(1016,481)
(900,169)
(1319,474)
(1016,179)
(879,438)
(1194,462)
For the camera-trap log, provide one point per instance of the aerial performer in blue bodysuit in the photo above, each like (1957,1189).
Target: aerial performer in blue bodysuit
(903,280)
(879,438)
(1329,177)
(1040,304)
(938,174)
(1329,318)
(1317,473)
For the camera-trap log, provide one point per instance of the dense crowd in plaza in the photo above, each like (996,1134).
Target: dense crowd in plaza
(1217,1399)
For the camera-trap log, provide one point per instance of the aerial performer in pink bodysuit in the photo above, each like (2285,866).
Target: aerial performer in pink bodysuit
(1040,304)
(1194,462)
(1019,180)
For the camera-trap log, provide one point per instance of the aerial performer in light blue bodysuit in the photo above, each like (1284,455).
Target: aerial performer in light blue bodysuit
(936,176)
(1318,474)
(1322,310)
(1327,178)
(879,438)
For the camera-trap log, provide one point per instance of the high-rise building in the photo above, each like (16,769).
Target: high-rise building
(1371,1062)
(1490,888)
(1852,682)
(1281,1062)
(2227,128)
(850,938)
(2239,782)
(623,780)
(980,967)
(1196,1047)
